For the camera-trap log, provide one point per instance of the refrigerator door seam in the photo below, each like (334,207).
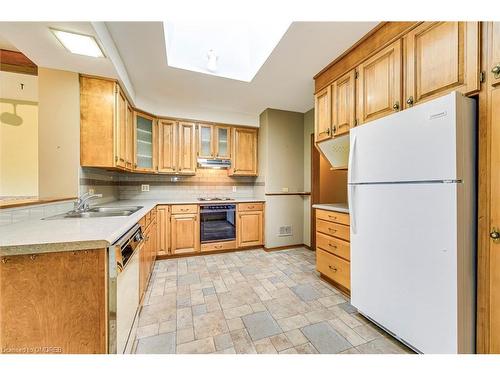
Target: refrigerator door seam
(407,182)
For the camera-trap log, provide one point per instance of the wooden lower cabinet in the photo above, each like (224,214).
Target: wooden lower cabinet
(334,267)
(249,226)
(218,246)
(54,303)
(185,233)
(163,230)
(333,252)
(148,250)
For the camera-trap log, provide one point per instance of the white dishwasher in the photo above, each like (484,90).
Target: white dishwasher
(127,293)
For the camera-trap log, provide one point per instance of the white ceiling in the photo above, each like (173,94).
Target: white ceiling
(284,81)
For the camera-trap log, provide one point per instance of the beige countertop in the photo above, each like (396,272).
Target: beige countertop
(44,236)
(338,207)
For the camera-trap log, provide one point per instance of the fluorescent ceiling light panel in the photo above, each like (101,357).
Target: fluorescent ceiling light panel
(79,43)
(240,48)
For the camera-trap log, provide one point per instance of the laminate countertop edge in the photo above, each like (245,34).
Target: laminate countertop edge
(76,234)
(337,207)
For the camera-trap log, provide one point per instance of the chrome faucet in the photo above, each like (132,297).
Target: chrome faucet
(82,203)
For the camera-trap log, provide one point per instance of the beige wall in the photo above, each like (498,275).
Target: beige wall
(59,133)
(18,141)
(308,130)
(281,154)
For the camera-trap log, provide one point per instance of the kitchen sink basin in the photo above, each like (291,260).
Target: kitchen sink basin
(97,212)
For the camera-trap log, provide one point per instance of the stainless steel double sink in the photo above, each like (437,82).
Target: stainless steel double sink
(97,212)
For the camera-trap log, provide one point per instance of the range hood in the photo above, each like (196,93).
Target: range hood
(336,150)
(214,163)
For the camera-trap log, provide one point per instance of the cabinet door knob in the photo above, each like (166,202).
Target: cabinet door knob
(496,70)
(395,107)
(409,101)
(328,131)
(495,235)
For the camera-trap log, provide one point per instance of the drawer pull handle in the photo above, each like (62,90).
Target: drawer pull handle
(332,217)
(250,206)
(218,246)
(334,246)
(334,269)
(332,230)
(184,209)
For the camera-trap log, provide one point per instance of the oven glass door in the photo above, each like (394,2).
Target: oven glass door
(218,224)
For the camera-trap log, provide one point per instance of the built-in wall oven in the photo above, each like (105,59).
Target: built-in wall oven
(218,222)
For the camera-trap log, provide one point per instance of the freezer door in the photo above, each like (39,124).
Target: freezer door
(404,261)
(423,143)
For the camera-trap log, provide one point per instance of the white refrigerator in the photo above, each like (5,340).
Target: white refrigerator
(411,190)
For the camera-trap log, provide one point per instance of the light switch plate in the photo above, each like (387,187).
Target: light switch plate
(284,190)
(234,189)
(144,187)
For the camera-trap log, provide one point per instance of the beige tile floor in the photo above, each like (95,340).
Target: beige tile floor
(252,302)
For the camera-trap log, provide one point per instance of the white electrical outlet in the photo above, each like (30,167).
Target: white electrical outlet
(144,187)
(284,190)
(234,189)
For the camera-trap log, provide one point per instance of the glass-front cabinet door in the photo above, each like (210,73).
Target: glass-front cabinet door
(144,143)
(205,141)
(222,139)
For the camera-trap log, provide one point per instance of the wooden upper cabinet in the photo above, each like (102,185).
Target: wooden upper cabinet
(121,129)
(186,148)
(185,233)
(205,141)
(130,139)
(145,143)
(167,156)
(379,84)
(494,48)
(244,152)
(97,122)
(323,114)
(344,103)
(222,142)
(441,57)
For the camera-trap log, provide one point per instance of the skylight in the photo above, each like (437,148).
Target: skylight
(231,50)
(78,43)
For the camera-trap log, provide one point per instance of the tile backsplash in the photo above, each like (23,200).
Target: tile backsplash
(115,185)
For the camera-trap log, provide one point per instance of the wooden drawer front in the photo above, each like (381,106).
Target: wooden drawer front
(213,246)
(333,229)
(333,245)
(335,268)
(250,206)
(185,209)
(335,217)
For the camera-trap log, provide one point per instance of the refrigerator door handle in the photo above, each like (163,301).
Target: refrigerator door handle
(350,171)
(352,210)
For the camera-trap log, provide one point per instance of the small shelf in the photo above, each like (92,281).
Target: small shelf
(290,193)
(144,156)
(338,168)
(145,142)
(144,131)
